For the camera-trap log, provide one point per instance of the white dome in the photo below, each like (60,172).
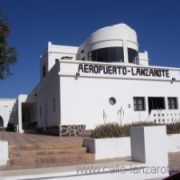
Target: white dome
(118,31)
(115,36)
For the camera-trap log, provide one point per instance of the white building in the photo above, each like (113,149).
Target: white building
(104,80)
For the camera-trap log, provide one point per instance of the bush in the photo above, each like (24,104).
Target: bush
(116,130)
(173,128)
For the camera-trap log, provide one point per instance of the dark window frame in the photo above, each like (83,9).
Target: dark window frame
(139,103)
(172,103)
(132,56)
(112,101)
(108,54)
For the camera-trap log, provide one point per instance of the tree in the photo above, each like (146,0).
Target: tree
(8,55)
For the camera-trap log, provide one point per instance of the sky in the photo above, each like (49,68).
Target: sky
(69,22)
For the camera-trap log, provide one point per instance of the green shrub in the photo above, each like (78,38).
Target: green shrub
(116,130)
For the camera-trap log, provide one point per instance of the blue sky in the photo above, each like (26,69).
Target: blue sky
(69,22)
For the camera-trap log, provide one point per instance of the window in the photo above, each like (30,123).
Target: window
(132,56)
(139,103)
(111,54)
(172,103)
(156,103)
(112,100)
(54,104)
(90,56)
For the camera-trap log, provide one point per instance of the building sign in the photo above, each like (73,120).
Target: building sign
(123,70)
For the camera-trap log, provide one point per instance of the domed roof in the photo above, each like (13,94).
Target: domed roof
(119,31)
(120,27)
(118,35)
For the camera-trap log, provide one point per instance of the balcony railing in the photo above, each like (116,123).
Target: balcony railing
(164,116)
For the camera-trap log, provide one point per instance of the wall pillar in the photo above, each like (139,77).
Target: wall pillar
(21,99)
(125,51)
(4,155)
(20,129)
(149,145)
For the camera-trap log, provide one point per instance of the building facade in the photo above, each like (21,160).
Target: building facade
(105,79)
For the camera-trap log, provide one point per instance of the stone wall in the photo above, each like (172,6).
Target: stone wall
(64,130)
(72,130)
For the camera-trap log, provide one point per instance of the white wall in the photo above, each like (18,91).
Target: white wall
(143,58)
(174,143)
(22,98)
(149,145)
(58,52)
(84,99)
(54,52)
(104,148)
(49,89)
(6,110)
(4,157)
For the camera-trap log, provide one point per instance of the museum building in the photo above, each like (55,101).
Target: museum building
(105,79)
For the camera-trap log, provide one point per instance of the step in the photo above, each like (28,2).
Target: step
(17,166)
(61,153)
(46,146)
(39,152)
(61,159)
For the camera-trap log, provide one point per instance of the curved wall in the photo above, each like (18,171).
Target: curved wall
(119,35)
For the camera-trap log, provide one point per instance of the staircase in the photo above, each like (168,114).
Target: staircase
(66,152)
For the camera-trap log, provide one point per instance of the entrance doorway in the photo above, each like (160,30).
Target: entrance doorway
(156,103)
(29,116)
